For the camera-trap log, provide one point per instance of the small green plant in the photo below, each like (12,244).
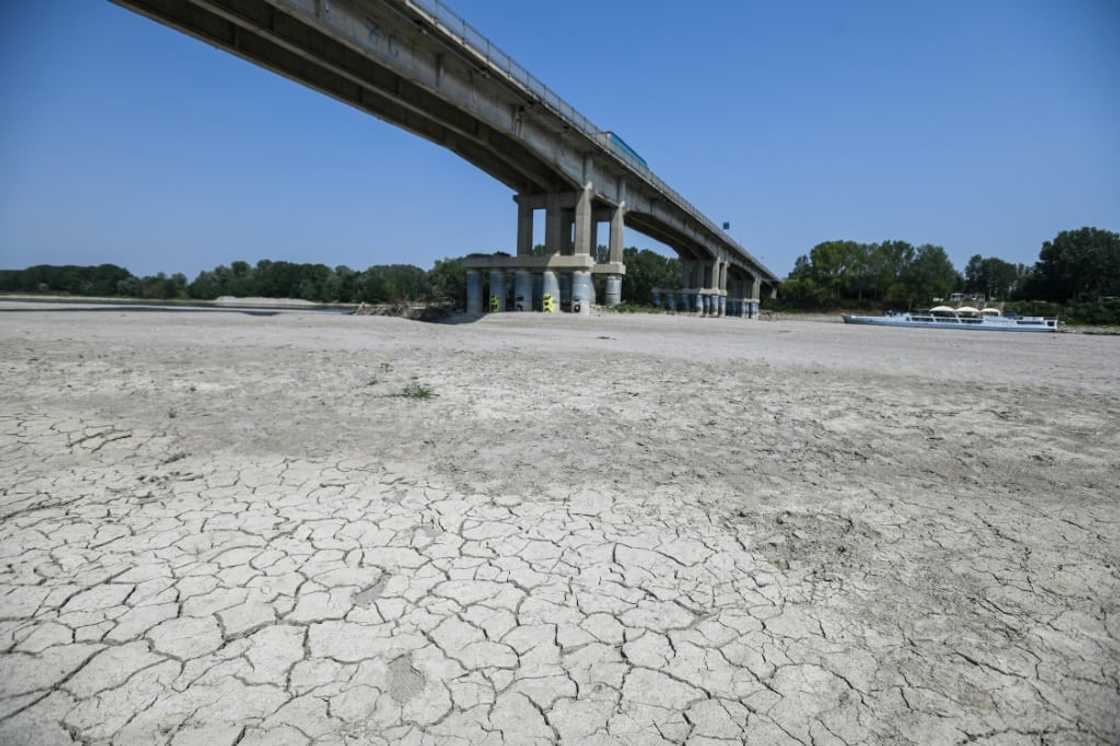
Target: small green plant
(634,308)
(416,391)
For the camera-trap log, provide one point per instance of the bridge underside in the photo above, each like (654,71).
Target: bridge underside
(390,60)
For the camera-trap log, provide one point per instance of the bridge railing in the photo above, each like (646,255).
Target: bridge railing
(470,37)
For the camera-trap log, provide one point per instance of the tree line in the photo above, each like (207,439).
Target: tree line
(268,279)
(1077,267)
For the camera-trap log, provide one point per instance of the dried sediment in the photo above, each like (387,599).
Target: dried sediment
(228,529)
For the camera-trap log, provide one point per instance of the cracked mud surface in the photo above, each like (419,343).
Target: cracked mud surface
(220,529)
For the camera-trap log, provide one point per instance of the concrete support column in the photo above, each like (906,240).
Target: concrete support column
(618,216)
(550,292)
(706,304)
(524,228)
(584,223)
(554,241)
(583,292)
(670,301)
(614,290)
(523,290)
(498,290)
(565,279)
(756,291)
(723,270)
(474,291)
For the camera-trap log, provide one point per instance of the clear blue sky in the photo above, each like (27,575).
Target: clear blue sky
(985,127)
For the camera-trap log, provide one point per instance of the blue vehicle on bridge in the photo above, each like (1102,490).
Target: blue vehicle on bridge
(620,145)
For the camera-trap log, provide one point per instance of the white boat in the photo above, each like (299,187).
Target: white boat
(943,317)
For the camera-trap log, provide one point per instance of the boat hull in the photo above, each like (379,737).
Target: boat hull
(987,325)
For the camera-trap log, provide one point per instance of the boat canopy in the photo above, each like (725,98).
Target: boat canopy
(991,311)
(967,309)
(941,309)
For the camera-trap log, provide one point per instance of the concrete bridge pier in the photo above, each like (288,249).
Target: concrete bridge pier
(733,298)
(614,290)
(721,286)
(474,291)
(550,290)
(522,290)
(615,256)
(756,293)
(498,291)
(583,292)
(565,279)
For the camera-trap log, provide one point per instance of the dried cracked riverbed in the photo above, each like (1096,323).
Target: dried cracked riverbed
(219,529)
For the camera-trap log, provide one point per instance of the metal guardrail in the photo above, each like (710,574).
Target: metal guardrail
(457,27)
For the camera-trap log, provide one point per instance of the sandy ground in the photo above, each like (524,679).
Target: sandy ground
(221,527)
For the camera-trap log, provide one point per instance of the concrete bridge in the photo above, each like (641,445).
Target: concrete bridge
(415,64)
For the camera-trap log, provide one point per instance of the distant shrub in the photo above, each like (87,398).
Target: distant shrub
(1097,312)
(634,308)
(416,391)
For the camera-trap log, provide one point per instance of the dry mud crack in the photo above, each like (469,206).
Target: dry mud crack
(219,529)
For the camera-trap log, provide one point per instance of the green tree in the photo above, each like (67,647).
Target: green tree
(888,262)
(930,275)
(1083,263)
(991,276)
(646,270)
(841,267)
(448,280)
(205,287)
